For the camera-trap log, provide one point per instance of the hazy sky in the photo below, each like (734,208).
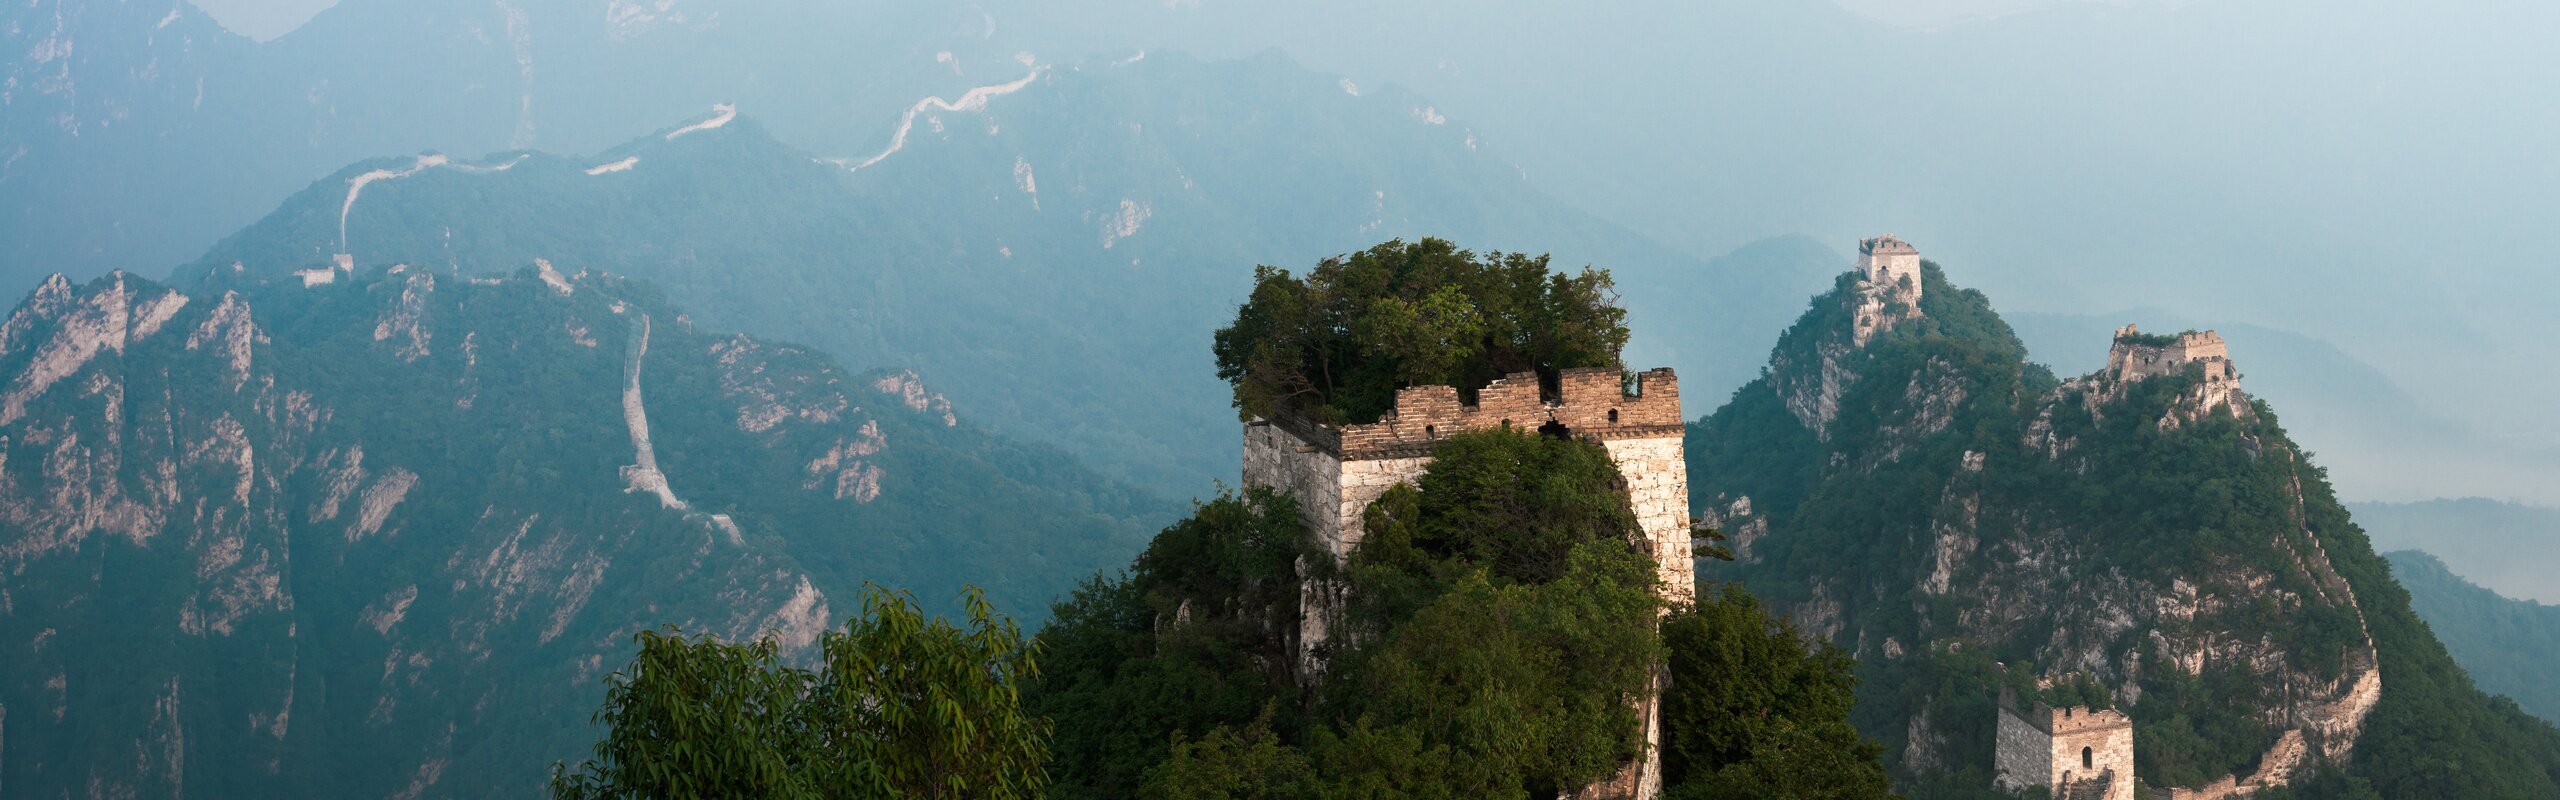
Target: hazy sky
(267,19)
(262,19)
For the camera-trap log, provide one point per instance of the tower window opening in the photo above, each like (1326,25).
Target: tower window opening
(2088,758)
(1613,416)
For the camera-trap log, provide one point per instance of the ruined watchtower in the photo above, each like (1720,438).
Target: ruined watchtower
(2137,356)
(2073,753)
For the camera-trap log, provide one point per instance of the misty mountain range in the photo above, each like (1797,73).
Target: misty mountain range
(924,293)
(143,132)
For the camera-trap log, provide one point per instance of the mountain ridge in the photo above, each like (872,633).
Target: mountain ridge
(379,535)
(1093,207)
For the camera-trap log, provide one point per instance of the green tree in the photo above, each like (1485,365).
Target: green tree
(919,708)
(1338,343)
(1228,764)
(1514,689)
(1752,712)
(902,707)
(1196,636)
(697,717)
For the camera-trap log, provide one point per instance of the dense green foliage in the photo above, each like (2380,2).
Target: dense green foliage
(1338,343)
(901,706)
(1499,628)
(2510,647)
(1862,510)
(1119,681)
(1752,713)
(2147,339)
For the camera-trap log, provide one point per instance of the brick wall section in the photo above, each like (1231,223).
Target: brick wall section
(2023,755)
(2274,769)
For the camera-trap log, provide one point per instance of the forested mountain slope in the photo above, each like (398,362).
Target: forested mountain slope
(1905,484)
(2509,646)
(379,536)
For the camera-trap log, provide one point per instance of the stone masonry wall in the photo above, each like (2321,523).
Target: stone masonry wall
(1657,476)
(1592,403)
(2109,749)
(2023,755)
(2060,748)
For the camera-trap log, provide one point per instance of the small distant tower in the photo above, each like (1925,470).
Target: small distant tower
(1891,262)
(2076,753)
(2135,357)
(1889,285)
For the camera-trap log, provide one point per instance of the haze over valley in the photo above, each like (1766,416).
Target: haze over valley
(384,375)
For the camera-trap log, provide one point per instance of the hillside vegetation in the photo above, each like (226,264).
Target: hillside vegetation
(1953,514)
(385,534)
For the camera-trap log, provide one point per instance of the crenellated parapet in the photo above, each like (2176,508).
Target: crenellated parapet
(1595,404)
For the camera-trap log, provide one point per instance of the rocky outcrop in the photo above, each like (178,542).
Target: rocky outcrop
(1812,367)
(910,390)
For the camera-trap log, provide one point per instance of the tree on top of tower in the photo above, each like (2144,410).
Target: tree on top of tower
(1336,344)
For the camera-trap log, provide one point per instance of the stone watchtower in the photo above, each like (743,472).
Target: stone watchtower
(1889,285)
(1335,472)
(2074,753)
(1889,261)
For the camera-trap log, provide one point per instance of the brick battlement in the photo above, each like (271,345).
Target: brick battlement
(1591,403)
(1887,244)
(2071,721)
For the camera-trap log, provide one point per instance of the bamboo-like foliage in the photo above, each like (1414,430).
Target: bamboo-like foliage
(901,706)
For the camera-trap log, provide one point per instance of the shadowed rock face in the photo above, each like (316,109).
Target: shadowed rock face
(371,537)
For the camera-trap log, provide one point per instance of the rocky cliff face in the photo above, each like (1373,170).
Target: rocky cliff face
(1953,515)
(371,538)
